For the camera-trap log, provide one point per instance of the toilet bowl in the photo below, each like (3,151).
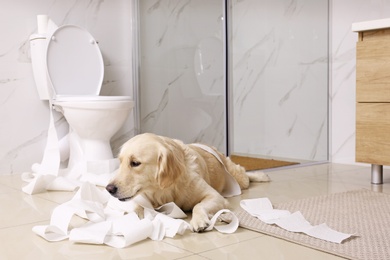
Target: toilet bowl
(68,70)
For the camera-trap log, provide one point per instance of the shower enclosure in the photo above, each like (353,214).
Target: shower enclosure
(182,86)
(246,76)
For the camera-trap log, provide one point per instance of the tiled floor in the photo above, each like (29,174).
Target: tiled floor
(19,212)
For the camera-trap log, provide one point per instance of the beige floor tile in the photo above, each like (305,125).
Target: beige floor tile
(19,212)
(6,189)
(200,242)
(337,167)
(13,181)
(58,197)
(18,208)
(297,172)
(293,189)
(194,257)
(21,243)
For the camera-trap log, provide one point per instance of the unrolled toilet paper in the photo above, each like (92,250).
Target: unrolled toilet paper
(115,223)
(295,222)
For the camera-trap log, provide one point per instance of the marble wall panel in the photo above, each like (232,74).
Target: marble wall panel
(279,78)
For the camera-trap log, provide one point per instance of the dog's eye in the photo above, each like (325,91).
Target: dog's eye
(134,163)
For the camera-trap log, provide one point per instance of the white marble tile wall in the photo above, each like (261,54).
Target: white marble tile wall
(279,78)
(24,118)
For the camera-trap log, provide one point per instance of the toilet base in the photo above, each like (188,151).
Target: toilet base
(93,156)
(92,168)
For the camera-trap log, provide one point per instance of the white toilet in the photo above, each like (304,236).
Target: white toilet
(68,70)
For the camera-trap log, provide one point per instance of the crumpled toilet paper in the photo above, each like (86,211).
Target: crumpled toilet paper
(62,181)
(114,223)
(262,209)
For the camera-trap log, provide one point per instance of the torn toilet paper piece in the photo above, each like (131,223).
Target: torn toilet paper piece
(69,181)
(262,209)
(38,183)
(114,223)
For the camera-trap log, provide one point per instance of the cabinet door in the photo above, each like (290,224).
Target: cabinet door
(373,70)
(373,133)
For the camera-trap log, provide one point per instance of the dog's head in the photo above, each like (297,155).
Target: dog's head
(147,163)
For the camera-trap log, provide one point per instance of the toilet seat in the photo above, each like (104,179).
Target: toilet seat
(101,104)
(74,63)
(91,98)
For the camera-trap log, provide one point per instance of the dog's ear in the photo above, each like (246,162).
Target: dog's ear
(171,164)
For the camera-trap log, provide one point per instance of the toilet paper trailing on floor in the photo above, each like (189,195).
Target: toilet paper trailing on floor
(262,209)
(114,223)
(66,180)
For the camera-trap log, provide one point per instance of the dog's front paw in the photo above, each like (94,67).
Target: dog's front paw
(199,223)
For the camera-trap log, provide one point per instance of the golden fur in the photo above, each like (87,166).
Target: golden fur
(167,170)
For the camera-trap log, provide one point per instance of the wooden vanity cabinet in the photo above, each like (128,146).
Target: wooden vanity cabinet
(373,100)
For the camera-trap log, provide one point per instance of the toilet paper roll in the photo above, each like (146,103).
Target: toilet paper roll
(43,21)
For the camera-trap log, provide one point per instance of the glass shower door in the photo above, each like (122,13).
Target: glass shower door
(279,79)
(182,86)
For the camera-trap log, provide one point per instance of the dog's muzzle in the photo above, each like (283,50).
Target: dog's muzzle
(112,189)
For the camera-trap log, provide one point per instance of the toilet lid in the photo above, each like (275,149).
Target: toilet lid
(74,62)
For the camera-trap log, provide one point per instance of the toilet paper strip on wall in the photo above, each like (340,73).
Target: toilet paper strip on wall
(295,222)
(114,223)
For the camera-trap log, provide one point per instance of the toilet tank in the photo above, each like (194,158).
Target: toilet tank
(38,45)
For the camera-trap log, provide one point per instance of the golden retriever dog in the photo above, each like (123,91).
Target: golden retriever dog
(167,170)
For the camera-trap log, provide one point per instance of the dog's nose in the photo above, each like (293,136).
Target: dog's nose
(111,188)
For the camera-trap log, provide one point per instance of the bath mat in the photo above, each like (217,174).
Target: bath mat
(251,163)
(362,212)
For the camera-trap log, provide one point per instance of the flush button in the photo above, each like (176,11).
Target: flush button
(53,38)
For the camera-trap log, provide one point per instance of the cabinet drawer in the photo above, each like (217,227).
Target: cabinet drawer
(373,70)
(373,133)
